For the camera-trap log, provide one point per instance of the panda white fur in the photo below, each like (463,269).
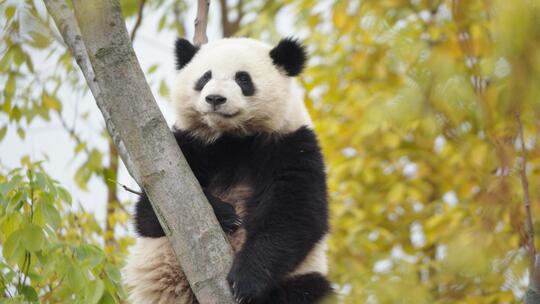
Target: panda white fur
(245,131)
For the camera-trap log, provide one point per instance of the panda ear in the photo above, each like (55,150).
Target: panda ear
(184,52)
(290,55)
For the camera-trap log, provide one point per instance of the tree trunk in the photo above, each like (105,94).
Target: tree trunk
(145,143)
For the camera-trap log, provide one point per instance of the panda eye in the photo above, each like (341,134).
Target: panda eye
(245,83)
(199,85)
(242,77)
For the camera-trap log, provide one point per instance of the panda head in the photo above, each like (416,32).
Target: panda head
(239,86)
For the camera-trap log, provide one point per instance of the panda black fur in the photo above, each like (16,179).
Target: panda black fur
(246,135)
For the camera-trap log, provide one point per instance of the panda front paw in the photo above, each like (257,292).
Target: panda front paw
(230,223)
(248,285)
(225,213)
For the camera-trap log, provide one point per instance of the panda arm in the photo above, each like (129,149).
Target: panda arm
(290,218)
(146,221)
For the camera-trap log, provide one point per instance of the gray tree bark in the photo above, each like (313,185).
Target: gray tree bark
(201,21)
(145,143)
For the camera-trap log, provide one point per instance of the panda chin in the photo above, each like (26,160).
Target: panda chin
(219,121)
(215,114)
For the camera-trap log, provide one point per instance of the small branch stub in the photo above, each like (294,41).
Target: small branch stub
(201,22)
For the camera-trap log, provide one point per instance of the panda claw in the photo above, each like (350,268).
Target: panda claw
(230,226)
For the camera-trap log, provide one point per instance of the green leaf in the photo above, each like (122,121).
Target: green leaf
(10,12)
(16,201)
(94,291)
(51,102)
(6,105)
(12,249)
(15,114)
(162,21)
(13,183)
(3,132)
(75,278)
(64,195)
(18,55)
(30,64)
(80,147)
(91,255)
(113,273)
(163,89)
(11,223)
(29,293)
(51,215)
(33,238)
(21,133)
(129,7)
(152,69)
(107,298)
(5,62)
(11,84)
(40,40)
(95,159)
(40,180)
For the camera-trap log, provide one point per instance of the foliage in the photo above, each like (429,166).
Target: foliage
(41,81)
(50,253)
(415,104)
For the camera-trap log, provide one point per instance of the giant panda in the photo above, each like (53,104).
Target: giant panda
(246,134)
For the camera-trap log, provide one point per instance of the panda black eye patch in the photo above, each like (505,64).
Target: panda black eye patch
(245,83)
(199,85)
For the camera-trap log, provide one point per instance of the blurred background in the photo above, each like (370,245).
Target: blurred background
(418,105)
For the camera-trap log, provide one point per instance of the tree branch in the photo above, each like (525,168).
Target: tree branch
(533,294)
(526,199)
(145,142)
(67,25)
(138,21)
(230,27)
(201,21)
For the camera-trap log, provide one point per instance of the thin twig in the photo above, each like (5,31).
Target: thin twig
(526,199)
(533,293)
(130,190)
(201,22)
(138,21)
(125,187)
(73,134)
(4,286)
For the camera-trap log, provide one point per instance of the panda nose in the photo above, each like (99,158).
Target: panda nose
(215,100)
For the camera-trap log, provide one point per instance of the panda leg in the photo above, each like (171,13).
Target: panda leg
(152,274)
(303,289)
